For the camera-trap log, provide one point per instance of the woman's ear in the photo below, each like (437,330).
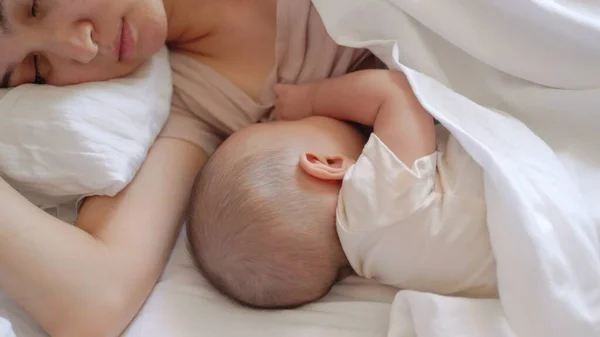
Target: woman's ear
(325,167)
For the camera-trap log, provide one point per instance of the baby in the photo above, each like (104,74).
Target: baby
(284,210)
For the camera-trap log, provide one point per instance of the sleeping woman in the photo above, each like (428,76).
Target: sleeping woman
(92,278)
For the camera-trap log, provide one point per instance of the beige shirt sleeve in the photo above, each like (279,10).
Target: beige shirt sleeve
(184,125)
(399,226)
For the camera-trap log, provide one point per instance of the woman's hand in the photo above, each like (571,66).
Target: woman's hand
(91,281)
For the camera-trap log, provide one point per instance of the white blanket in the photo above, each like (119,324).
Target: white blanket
(518,83)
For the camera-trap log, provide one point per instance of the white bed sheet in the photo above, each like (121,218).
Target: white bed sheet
(184,305)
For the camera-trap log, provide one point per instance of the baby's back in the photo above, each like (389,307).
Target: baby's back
(419,228)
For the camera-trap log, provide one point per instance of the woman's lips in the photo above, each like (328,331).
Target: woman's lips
(126,43)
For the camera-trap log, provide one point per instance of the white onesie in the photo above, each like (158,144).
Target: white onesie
(421,228)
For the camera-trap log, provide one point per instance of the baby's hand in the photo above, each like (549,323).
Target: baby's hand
(293,101)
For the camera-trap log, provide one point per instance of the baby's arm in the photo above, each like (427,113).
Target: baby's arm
(379,98)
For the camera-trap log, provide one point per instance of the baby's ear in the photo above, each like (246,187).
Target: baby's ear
(325,167)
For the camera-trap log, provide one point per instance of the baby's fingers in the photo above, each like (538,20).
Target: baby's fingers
(292,101)
(279,110)
(284,103)
(282,89)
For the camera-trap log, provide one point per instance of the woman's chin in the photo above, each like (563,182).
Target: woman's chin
(151,33)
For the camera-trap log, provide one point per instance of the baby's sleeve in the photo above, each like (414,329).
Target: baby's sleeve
(399,226)
(380,190)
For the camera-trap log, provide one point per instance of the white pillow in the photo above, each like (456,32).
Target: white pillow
(58,144)
(6,328)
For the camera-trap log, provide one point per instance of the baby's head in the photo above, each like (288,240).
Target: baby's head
(262,227)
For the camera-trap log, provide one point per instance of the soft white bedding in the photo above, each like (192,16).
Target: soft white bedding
(184,305)
(59,144)
(530,70)
(534,60)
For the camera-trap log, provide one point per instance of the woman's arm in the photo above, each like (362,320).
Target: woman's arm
(91,281)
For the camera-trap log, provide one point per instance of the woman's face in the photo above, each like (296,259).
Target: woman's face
(64,42)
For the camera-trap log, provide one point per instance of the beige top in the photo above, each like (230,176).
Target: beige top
(421,228)
(207,107)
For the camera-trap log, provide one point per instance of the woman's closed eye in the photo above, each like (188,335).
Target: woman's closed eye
(34,8)
(38,79)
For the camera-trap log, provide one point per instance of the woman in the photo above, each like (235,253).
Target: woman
(91,279)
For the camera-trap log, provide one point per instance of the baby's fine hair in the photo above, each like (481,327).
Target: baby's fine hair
(256,236)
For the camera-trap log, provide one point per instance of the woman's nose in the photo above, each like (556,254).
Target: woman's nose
(73,42)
